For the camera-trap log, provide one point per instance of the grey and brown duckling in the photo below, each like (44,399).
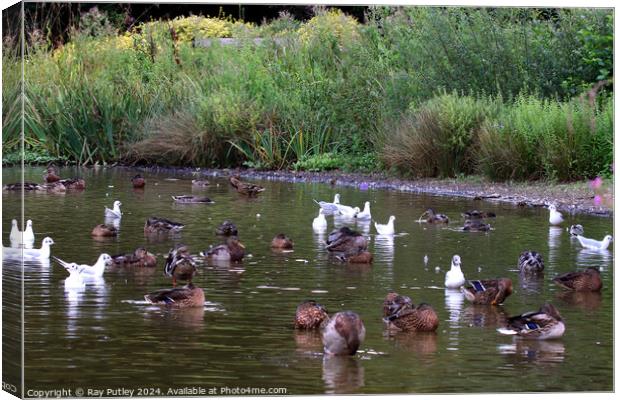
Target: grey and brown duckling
(531,263)
(51,175)
(180,265)
(156,225)
(138,181)
(139,258)
(433,217)
(394,302)
(183,297)
(407,317)
(362,257)
(247,189)
(576,230)
(102,230)
(546,323)
(310,315)
(233,250)
(475,214)
(343,334)
(476,225)
(488,291)
(588,280)
(26,186)
(189,199)
(346,241)
(226,228)
(281,241)
(73,183)
(200,183)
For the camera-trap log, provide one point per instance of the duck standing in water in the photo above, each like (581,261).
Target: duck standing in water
(488,291)
(588,280)
(180,265)
(138,181)
(183,297)
(310,315)
(531,263)
(247,189)
(343,334)
(546,323)
(281,241)
(233,250)
(455,278)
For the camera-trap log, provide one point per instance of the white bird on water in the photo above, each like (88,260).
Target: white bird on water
(90,271)
(455,278)
(365,213)
(347,211)
(595,244)
(36,254)
(555,217)
(320,223)
(75,280)
(18,238)
(387,229)
(330,208)
(115,212)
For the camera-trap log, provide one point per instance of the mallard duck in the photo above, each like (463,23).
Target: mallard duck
(362,257)
(104,230)
(50,175)
(555,217)
(387,229)
(455,278)
(233,250)
(420,319)
(30,254)
(115,212)
(189,199)
(595,244)
(200,182)
(394,302)
(180,265)
(576,230)
(155,225)
(94,271)
(329,208)
(320,223)
(73,183)
(343,334)
(139,258)
(183,297)
(281,241)
(488,291)
(310,315)
(475,225)
(475,214)
(364,215)
(346,240)
(531,262)
(545,323)
(226,228)
(588,280)
(26,186)
(138,181)
(433,217)
(248,189)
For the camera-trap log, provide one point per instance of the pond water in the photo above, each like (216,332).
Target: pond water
(106,337)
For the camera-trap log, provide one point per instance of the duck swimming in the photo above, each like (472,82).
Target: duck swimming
(433,217)
(102,230)
(347,241)
(155,225)
(138,181)
(73,183)
(410,318)
(248,189)
(180,265)
(455,278)
(588,280)
(281,241)
(343,334)
(189,199)
(362,257)
(394,302)
(51,175)
(546,323)
(26,186)
(475,225)
(139,258)
(475,214)
(233,250)
(488,291)
(183,297)
(310,315)
(200,183)
(531,262)
(226,228)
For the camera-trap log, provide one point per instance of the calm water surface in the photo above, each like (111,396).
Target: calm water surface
(105,336)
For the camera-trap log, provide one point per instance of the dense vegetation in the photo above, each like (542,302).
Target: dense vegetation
(508,93)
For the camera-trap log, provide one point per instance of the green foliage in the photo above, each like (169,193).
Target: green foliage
(319,162)
(31,157)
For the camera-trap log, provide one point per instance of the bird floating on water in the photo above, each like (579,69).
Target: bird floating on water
(319,223)
(155,225)
(329,208)
(115,212)
(595,244)
(387,229)
(233,250)
(102,230)
(248,189)
(455,278)
(555,217)
(546,323)
(180,265)
(183,297)
(18,238)
(189,199)
(29,254)
(365,213)
(92,271)
(75,279)
(488,291)
(433,217)
(576,230)
(343,334)
(139,258)
(588,280)
(310,315)
(138,181)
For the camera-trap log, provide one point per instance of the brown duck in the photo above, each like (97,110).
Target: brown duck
(588,280)
(310,315)
(183,297)
(281,241)
(51,175)
(343,334)
(233,250)
(347,241)
(180,265)
(394,303)
(488,291)
(433,217)
(138,181)
(248,189)
(102,230)
(363,257)
(139,258)
(421,318)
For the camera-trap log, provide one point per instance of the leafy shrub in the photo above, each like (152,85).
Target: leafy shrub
(319,162)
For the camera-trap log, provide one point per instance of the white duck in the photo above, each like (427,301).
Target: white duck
(115,212)
(330,208)
(455,278)
(75,280)
(365,213)
(90,271)
(30,254)
(387,229)
(595,244)
(555,217)
(320,223)
(18,239)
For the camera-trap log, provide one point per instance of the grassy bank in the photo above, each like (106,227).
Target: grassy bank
(420,91)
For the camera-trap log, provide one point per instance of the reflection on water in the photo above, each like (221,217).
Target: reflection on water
(536,351)
(419,343)
(532,283)
(342,374)
(384,248)
(484,315)
(594,258)
(308,341)
(587,301)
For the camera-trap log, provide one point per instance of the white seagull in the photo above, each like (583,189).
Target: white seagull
(75,280)
(330,208)
(347,211)
(319,223)
(90,271)
(387,229)
(115,212)
(365,213)
(36,254)
(555,217)
(455,278)
(18,239)
(595,244)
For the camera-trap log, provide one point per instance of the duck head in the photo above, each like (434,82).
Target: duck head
(550,310)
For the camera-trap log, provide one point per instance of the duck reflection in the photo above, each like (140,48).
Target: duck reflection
(588,301)
(191,318)
(342,374)
(420,343)
(454,305)
(484,315)
(536,351)
(363,226)
(531,284)
(308,341)
(593,258)
(384,248)
(555,234)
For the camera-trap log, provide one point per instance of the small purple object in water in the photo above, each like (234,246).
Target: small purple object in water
(363,186)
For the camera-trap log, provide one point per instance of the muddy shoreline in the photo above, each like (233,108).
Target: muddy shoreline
(574,198)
